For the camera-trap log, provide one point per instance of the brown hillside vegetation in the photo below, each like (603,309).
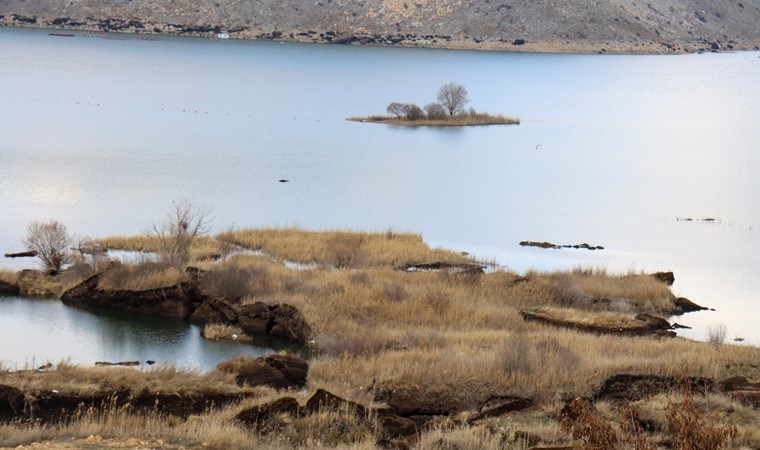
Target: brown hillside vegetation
(615,26)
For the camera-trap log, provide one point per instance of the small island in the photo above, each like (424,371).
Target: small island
(447,112)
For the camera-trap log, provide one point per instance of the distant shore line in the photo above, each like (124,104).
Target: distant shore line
(119,26)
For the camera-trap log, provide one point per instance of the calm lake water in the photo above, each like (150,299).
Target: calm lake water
(39,331)
(103,135)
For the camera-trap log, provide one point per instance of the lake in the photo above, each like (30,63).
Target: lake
(612,150)
(37,331)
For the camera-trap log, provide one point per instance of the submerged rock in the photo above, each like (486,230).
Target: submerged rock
(27,254)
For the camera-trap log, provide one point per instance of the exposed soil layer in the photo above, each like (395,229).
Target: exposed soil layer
(53,406)
(185,300)
(644,324)
(391,424)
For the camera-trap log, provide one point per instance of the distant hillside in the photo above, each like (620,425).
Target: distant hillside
(614,26)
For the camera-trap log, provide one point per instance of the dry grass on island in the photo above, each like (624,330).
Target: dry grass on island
(449,111)
(447,338)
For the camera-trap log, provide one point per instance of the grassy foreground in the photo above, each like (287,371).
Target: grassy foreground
(445,337)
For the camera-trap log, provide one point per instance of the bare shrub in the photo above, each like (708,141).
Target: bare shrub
(142,276)
(414,112)
(360,278)
(430,338)
(586,425)
(226,243)
(182,225)
(438,301)
(692,431)
(716,334)
(298,286)
(567,292)
(231,282)
(344,250)
(397,109)
(370,342)
(394,292)
(51,241)
(435,111)
(452,97)
(515,354)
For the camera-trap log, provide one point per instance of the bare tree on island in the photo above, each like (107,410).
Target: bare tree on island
(50,240)
(397,109)
(183,224)
(453,97)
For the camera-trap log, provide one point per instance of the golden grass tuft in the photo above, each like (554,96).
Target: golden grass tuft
(346,249)
(223,332)
(203,247)
(140,277)
(8,276)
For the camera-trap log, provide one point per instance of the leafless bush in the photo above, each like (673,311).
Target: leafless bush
(226,243)
(370,342)
(394,292)
(515,353)
(182,225)
(51,241)
(430,338)
(438,301)
(586,425)
(567,292)
(397,109)
(359,278)
(231,282)
(692,431)
(414,112)
(344,250)
(716,334)
(435,111)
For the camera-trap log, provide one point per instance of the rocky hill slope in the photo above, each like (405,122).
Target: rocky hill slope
(614,26)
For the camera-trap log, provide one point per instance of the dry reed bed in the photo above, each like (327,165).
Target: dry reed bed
(203,247)
(80,380)
(341,248)
(8,276)
(456,338)
(385,329)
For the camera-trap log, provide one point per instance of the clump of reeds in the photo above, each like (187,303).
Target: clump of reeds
(224,332)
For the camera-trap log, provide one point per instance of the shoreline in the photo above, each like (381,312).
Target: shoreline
(442,42)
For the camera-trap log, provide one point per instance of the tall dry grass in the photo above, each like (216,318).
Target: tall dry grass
(343,249)
(141,276)
(9,276)
(202,247)
(457,340)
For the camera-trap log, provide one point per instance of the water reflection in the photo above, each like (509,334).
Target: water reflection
(51,331)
